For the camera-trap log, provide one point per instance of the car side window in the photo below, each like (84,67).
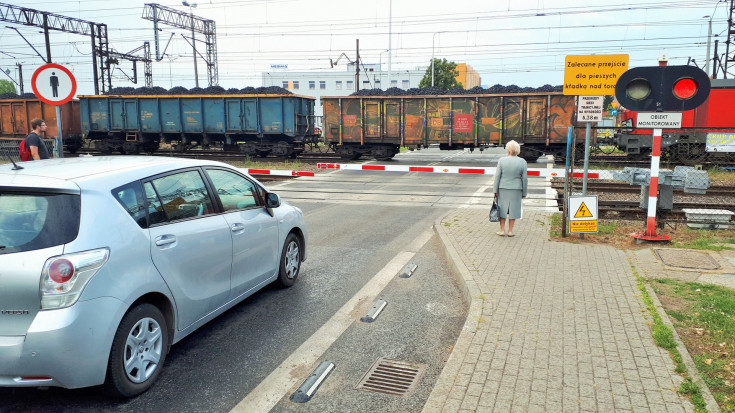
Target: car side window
(183,195)
(130,196)
(234,191)
(156,215)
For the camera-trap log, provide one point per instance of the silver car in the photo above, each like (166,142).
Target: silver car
(107,261)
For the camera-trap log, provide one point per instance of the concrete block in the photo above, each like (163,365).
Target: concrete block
(708,218)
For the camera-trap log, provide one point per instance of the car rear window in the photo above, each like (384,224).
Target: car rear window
(33,221)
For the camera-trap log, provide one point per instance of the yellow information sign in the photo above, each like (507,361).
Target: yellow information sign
(583,226)
(593,74)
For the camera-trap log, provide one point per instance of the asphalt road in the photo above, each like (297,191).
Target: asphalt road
(352,238)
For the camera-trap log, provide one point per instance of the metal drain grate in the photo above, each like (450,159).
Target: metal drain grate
(395,377)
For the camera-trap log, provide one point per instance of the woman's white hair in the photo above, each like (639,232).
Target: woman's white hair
(513,148)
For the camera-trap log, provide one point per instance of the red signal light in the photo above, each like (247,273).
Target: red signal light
(61,271)
(685,88)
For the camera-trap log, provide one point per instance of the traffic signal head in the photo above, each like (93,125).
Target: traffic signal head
(662,88)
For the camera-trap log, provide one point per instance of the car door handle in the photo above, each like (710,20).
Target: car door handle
(237,228)
(165,240)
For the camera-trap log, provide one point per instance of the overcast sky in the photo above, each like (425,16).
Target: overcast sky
(507,41)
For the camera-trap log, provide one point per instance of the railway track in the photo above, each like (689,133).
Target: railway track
(616,187)
(627,204)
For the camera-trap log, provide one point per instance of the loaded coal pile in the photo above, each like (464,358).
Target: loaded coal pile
(477,90)
(17,96)
(211,90)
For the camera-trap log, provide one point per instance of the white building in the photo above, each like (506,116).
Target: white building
(341,82)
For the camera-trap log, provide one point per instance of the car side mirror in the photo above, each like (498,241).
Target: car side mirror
(272,200)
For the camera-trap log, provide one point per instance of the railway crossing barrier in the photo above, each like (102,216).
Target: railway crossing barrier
(684,178)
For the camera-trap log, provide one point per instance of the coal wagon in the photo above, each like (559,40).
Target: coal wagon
(256,125)
(16,115)
(377,126)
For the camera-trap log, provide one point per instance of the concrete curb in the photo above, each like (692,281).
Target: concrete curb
(686,358)
(471,293)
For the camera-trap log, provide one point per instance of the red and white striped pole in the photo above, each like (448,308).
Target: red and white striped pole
(650,233)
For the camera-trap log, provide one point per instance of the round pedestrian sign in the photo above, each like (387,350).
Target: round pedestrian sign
(54,84)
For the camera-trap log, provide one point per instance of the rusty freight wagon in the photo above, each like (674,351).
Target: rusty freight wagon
(16,115)
(377,126)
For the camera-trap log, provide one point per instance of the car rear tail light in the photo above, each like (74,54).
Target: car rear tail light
(64,277)
(61,270)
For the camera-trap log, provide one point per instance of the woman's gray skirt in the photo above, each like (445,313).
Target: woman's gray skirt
(509,203)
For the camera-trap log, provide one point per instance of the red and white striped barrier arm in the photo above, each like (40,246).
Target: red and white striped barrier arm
(276,172)
(542,172)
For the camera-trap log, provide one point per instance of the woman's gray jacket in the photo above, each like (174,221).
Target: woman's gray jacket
(511,173)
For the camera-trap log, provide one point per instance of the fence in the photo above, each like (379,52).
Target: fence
(10,149)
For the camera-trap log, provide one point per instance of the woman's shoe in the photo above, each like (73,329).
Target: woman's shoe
(501,233)
(510,234)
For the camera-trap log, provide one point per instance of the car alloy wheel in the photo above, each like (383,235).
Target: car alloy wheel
(143,350)
(293,259)
(290,261)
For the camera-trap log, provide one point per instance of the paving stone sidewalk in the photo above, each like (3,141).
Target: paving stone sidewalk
(552,326)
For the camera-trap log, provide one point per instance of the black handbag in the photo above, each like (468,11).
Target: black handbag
(494,211)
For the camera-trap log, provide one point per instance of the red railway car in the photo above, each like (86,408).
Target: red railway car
(16,116)
(686,145)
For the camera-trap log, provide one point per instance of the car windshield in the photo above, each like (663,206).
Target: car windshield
(32,221)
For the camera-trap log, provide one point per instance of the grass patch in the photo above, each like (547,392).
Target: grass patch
(664,338)
(704,317)
(717,175)
(617,234)
(713,240)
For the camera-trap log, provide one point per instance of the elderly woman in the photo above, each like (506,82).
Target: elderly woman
(511,185)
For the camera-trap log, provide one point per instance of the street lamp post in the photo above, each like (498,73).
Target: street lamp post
(193,40)
(432,57)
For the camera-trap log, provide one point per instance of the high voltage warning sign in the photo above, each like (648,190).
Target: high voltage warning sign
(584,210)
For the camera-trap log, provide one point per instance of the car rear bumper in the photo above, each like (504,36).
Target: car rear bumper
(68,347)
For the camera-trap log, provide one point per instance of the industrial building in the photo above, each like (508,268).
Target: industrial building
(342,82)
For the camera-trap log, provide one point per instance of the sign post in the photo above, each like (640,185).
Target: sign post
(667,90)
(55,85)
(591,77)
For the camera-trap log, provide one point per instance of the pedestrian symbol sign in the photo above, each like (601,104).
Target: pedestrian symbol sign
(54,84)
(583,212)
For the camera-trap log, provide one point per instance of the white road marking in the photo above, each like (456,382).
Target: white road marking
(480,195)
(270,391)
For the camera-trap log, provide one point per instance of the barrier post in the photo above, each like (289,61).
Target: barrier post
(650,233)
(566,184)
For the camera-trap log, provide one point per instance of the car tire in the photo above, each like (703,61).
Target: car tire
(138,352)
(290,261)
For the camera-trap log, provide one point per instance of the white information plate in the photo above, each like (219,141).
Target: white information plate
(658,120)
(589,108)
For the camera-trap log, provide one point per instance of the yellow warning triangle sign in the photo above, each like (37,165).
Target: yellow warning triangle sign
(583,212)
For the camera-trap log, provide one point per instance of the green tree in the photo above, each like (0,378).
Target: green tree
(445,75)
(607,102)
(7,86)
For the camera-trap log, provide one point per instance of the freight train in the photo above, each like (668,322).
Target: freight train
(686,146)
(377,126)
